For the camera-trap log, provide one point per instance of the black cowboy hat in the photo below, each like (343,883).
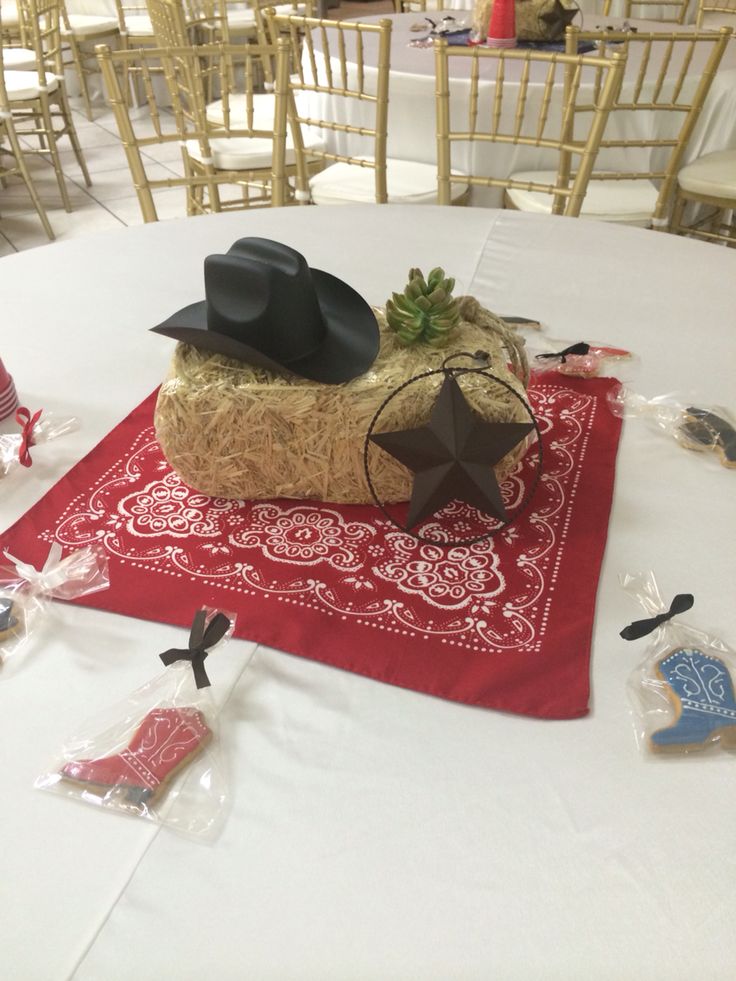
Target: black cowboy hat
(264,305)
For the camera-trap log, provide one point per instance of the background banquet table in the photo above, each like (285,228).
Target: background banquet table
(411,113)
(375,832)
(589,7)
(591,10)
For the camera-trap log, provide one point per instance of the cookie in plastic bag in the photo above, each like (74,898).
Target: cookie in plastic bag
(157,754)
(25,591)
(683,691)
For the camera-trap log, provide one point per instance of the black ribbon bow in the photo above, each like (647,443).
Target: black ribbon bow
(640,628)
(582,347)
(199,640)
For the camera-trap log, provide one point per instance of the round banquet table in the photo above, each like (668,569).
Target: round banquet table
(375,832)
(411,112)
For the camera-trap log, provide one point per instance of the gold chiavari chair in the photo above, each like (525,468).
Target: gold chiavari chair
(716,13)
(261,11)
(37,98)
(10,23)
(136,31)
(228,21)
(638,162)
(238,20)
(78,32)
(709,181)
(18,54)
(182,22)
(238,156)
(651,10)
(485,110)
(418,6)
(12,161)
(174,27)
(341,84)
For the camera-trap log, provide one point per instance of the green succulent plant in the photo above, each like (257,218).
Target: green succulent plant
(426,310)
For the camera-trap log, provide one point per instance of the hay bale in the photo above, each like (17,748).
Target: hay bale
(237,431)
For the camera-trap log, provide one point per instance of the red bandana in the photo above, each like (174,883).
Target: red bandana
(504,623)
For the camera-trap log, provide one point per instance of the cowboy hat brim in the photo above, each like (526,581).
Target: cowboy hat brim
(349,348)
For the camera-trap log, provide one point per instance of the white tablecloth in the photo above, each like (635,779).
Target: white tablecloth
(377,833)
(411,115)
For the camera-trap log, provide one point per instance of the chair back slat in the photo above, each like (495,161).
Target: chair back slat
(663,71)
(549,85)
(497,94)
(521,99)
(360,60)
(12,153)
(683,74)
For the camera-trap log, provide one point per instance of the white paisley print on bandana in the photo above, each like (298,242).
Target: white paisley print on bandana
(304,535)
(349,560)
(167,507)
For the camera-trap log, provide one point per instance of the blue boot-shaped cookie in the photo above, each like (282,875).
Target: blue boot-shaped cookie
(701,689)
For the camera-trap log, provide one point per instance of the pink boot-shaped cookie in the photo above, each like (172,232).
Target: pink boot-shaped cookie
(166,739)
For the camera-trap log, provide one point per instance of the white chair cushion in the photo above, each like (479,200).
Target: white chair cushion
(263,110)
(82,25)
(9,14)
(630,202)
(235,153)
(714,174)
(241,19)
(26,85)
(714,19)
(139,25)
(243,152)
(20,59)
(407,182)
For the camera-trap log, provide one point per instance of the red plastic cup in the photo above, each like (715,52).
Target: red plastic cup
(502,25)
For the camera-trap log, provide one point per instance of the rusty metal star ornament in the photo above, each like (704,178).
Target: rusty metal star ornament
(558,18)
(453,455)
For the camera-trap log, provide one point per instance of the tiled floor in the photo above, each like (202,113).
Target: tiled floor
(110,202)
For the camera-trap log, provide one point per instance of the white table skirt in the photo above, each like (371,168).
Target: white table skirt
(377,833)
(411,113)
